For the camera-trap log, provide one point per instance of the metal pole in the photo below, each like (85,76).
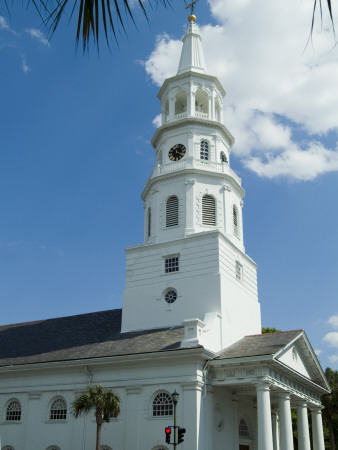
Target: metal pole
(175,434)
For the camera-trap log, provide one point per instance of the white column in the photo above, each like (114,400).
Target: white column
(275,429)
(317,429)
(285,422)
(171,108)
(235,418)
(303,427)
(265,441)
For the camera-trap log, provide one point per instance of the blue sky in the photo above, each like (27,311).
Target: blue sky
(75,153)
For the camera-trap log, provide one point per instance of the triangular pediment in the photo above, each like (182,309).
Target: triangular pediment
(299,357)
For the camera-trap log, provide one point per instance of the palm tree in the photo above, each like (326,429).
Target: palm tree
(111,15)
(105,403)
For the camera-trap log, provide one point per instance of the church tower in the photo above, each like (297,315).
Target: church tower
(192,268)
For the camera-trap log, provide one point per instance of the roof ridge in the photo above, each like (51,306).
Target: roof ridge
(55,318)
(274,332)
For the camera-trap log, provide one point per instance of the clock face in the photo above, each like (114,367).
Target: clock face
(176,152)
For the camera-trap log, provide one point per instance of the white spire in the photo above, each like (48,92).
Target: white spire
(192,57)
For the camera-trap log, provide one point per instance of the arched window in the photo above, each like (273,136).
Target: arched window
(235,220)
(208,210)
(201,103)
(13,412)
(243,429)
(8,447)
(53,447)
(58,409)
(180,102)
(162,405)
(105,447)
(204,150)
(172,211)
(223,157)
(149,222)
(217,111)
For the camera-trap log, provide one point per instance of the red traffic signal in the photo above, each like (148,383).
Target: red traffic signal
(181,432)
(167,431)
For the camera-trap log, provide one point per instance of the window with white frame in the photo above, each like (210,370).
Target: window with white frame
(208,210)
(149,222)
(58,409)
(235,220)
(13,411)
(204,150)
(171,212)
(171,264)
(243,429)
(162,405)
(239,271)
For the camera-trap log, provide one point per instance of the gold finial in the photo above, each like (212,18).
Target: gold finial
(192,17)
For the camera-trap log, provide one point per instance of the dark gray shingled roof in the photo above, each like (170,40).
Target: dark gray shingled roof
(260,344)
(83,336)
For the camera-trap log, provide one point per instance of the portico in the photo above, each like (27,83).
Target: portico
(267,391)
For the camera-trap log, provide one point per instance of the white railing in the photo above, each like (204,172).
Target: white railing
(201,115)
(180,116)
(191,163)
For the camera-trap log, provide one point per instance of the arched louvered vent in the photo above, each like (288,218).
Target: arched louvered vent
(172,212)
(149,222)
(204,150)
(223,157)
(208,210)
(235,220)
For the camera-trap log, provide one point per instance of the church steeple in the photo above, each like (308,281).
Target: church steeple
(192,56)
(192,264)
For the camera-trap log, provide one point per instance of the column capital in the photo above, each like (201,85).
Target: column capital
(263,386)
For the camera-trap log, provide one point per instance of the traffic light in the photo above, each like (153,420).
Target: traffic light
(181,432)
(167,431)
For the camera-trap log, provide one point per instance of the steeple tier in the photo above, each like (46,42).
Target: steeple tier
(192,56)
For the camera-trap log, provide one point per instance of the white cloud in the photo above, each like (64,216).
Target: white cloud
(331,338)
(37,34)
(333,358)
(333,321)
(4,26)
(25,67)
(278,88)
(318,352)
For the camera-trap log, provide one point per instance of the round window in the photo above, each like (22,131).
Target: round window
(170,296)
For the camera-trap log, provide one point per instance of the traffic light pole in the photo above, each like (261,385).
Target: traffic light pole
(175,428)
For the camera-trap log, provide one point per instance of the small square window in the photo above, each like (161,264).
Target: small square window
(239,271)
(171,264)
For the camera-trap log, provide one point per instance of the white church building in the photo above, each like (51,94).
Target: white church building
(190,319)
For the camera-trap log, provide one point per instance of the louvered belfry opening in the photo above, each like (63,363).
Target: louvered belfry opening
(208,210)
(149,223)
(172,211)
(235,219)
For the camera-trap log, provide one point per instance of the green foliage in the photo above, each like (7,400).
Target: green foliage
(270,330)
(105,403)
(330,411)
